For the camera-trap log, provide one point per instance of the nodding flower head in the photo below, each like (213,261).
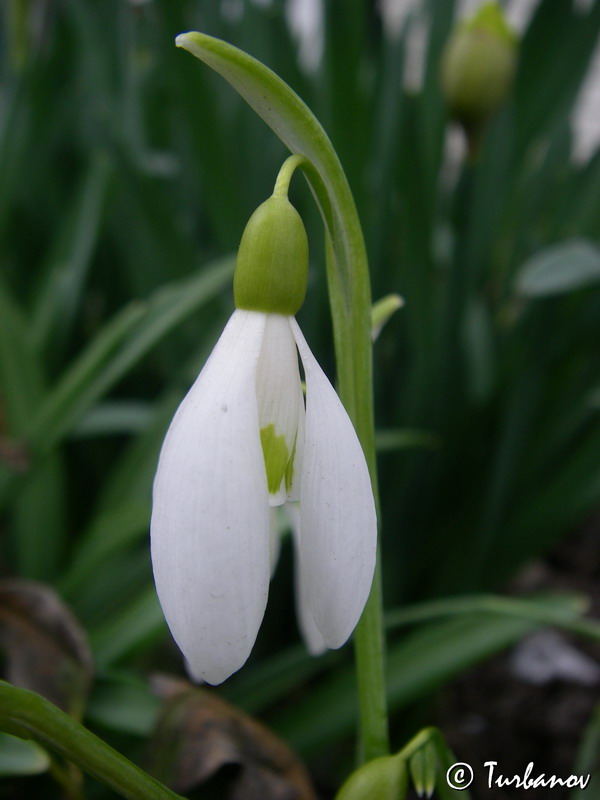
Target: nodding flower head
(244,441)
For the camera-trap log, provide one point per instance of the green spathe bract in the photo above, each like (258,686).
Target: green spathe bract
(272,262)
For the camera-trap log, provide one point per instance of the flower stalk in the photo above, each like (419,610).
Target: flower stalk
(284,177)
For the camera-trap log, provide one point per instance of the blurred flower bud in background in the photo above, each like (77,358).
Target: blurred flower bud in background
(477,67)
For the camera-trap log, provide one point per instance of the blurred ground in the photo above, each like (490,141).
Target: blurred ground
(492,713)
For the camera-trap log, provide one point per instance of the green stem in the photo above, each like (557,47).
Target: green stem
(353,350)
(29,716)
(369,650)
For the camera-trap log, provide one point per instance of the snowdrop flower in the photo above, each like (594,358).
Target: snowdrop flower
(242,442)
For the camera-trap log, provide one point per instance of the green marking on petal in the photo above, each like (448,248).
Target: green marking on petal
(276,457)
(289,470)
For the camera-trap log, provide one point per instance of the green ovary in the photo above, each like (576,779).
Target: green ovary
(278,461)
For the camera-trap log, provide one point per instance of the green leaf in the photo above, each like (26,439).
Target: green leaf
(37,531)
(18,757)
(120,702)
(428,657)
(478,346)
(84,382)
(117,528)
(59,296)
(561,268)
(382,311)
(121,344)
(135,626)
(388,440)
(21,376)
(265,684)
(554,57)
(115,417)
(437,652)
(131,477)
(548,610)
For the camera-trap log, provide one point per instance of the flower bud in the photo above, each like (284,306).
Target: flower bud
(383,778)
(423,769)
(272,262)
(478,65)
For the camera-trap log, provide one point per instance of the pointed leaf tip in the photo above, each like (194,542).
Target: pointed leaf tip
(181,40)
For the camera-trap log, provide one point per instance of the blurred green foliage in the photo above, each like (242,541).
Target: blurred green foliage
(128,174)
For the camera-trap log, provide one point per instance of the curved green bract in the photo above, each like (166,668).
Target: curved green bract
(296,126)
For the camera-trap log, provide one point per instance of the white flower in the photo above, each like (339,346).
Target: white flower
(240,443)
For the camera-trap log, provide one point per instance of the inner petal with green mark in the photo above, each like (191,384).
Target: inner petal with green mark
(278,460)
(280,408)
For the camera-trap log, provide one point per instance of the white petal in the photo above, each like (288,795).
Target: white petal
(210,518)
(308,628)
(278,389)
(337,510)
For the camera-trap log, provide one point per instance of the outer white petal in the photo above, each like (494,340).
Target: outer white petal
(210,518)
(337,510)
(278,388)
(308,628)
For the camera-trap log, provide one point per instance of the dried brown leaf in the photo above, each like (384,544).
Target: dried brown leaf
(199,734)
(45,649)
